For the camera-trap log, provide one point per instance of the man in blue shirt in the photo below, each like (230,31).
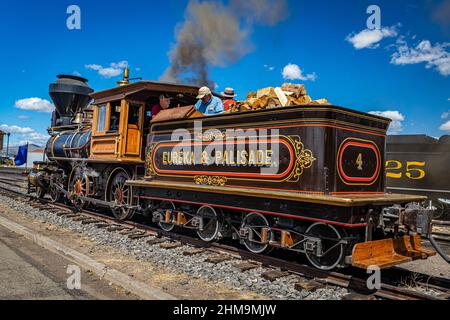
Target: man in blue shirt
(208,104)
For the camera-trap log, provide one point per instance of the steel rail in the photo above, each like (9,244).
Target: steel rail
(349,280)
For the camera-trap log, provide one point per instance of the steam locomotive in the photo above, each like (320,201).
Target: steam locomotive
(307,179)
(417,164)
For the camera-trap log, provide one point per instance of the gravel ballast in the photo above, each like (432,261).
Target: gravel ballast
(173,259)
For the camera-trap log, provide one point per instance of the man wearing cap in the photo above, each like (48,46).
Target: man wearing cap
(208,104)
(228,99)
(164,103)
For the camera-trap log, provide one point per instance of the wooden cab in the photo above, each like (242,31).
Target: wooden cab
(117,130)
(121,118)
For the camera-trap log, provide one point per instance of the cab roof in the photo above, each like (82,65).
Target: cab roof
(144,89)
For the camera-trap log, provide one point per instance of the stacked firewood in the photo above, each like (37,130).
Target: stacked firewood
(289,94)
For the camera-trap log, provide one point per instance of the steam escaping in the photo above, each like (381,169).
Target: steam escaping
(216,35)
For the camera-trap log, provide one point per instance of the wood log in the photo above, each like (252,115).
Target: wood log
(269,92)
(251,95)
(322,101)
(298,89)
(282,98)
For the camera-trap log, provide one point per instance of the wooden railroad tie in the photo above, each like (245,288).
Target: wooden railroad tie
(81,218)
(90,221)
(72,215)
(102,225)
(126,232)
(170,245)
(273,275)
(245,266)
(63,213)
(156,241)
(116,228)
(193,252)
(308,285)
(139,235)
(54,210)
(218,259)
(357,296)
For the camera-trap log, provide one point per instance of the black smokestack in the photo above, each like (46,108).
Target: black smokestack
(70,94)
(215,35)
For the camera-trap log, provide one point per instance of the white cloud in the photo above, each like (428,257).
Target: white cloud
(269,67)
(370,38)
(445,126)
(76,73)
(113,70)
(15,129)
(445,115)
(22,117)
(397,118)
(120,65)
(34,137)
(35,104)
(293,72)
(435,56)
(25,134)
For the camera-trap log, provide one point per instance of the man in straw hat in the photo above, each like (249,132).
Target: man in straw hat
(228,98)
(208,104)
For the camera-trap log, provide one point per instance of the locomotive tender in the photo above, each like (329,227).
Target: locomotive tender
(308,178)
(418,164)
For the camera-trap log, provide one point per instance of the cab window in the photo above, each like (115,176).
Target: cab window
(101,121)
(133,114)
(115,117)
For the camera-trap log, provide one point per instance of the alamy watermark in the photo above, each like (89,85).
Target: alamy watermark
(74,280)
(73,21)
(374,20)
(374,280)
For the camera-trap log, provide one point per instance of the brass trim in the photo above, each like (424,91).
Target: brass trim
(341,200)
(274,124)
(359,183)
(303,159)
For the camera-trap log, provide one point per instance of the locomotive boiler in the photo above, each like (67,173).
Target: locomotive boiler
(307,179)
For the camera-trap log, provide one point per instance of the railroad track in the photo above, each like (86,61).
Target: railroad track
(14,182)
(352,279)
(17,179)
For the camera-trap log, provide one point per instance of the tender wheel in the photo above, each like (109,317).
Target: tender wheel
(167,205)
(211,224)
(440,210)
(332,252)
(255,222)
(120,194)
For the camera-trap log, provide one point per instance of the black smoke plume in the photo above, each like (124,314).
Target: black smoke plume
(216,35)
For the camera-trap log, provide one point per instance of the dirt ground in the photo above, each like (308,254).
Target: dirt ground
(177,285)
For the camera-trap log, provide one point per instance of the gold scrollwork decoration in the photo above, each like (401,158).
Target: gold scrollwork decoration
(304,158)
(218,181)
(150,169)
(211,135)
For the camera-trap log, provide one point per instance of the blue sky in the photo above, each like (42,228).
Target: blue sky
(404,68)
